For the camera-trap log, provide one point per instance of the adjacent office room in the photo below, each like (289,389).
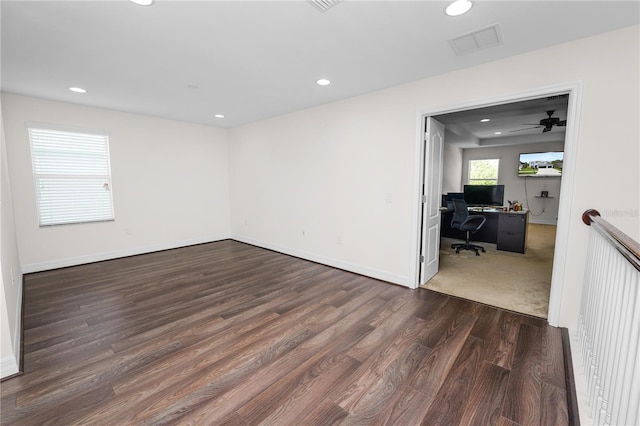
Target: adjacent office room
(518,148)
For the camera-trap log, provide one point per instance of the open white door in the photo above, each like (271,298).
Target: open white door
(431,196)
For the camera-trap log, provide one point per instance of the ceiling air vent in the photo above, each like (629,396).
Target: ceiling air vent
(477,40)
(324,5)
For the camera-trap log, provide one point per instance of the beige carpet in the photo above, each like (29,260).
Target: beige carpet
(513,281)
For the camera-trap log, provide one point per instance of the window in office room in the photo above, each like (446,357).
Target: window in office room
(72,175)
(483,172)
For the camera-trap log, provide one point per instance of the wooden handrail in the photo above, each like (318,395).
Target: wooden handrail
(626,245)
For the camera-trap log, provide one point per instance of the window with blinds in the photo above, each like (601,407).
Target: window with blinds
(72,176)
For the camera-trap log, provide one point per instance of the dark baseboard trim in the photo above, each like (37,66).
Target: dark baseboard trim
(570,384)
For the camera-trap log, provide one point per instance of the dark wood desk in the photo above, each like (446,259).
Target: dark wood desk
(508,230)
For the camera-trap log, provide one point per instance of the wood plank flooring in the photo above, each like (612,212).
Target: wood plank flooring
(227,333)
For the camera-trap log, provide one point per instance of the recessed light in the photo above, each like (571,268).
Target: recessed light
(497,133)
(77,89)
(323,82)
(142,2)
(484,120)
(219,116)
(458,7)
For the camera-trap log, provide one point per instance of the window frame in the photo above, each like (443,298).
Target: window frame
(485,181)
(94,210)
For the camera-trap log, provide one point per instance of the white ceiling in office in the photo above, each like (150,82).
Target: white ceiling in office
(251,60)
(507,124)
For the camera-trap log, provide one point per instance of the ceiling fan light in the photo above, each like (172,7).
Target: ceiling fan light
(458,7)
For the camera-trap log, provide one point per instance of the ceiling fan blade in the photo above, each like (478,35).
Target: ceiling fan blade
(528,128)
(546,129)
(562,123)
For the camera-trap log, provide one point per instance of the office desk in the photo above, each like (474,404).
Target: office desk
(508,230)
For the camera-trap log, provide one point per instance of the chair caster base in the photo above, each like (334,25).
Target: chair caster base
(471,247)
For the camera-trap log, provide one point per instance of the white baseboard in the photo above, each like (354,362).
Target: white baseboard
(98,257)
(335,263)
(17,335)
(542,221)
(580,380)
(8,366)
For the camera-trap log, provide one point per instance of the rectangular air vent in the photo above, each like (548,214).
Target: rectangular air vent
(324,5)
(476,40)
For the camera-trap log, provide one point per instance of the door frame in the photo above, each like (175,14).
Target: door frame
(574,90)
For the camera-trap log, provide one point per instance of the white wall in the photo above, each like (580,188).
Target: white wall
(347,168)
(524,190)
(326,184)
(11,275)
(170,185)
(451,167)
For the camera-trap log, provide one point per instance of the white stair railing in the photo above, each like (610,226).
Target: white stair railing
(609,324)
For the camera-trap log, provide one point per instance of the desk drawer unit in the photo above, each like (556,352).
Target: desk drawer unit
(512,232)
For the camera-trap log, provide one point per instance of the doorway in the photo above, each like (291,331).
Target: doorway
(570,92)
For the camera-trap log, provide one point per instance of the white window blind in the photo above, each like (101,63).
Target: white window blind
(72,176)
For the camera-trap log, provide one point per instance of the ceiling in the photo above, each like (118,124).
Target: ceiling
(189,60)
(509,124)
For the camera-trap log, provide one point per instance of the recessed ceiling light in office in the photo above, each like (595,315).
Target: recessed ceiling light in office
(324,5)
(476,40)
(458,7)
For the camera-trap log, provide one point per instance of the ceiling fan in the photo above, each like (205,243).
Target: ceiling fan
(547,123)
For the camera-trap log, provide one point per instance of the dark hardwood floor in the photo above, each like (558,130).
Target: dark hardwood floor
(228,333)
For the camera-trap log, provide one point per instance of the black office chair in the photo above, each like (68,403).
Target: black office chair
(461,220)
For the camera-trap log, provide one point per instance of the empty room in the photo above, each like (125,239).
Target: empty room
(229,212)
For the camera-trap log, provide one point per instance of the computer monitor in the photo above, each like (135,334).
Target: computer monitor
(446,198)
(484,195)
